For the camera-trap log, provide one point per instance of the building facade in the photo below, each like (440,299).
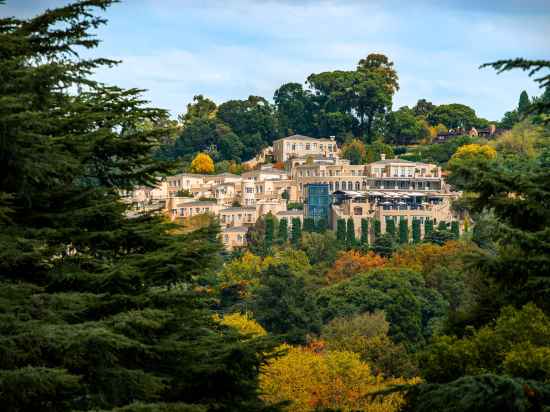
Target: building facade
(303,146)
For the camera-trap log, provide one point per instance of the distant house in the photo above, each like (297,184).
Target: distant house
(490,132)
(302,146)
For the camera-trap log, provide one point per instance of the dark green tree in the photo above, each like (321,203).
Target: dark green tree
(364,233)
(416,230)
(309,224)
(98,308)
(282,234)
(384,245)
(376,228)
(455,228)
(453,116)
(350,234)
(428,227)
(269,231)
(523,104)
(295,110)
(321,225)
(403,231)
(390,227)
(341,231)
(296,231)
(403,128)
(284,307)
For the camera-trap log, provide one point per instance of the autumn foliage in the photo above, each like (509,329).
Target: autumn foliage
(351,263)
(202,163)
(313,378)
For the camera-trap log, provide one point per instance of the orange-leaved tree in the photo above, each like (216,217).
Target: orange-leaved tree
(351,263)
(202,163)
(313,378)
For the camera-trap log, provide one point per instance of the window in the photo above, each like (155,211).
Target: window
(350,185)
(357,211)
(357,186)
(294,147)
(182,211)
(337,186)
(307,146)
(321,146)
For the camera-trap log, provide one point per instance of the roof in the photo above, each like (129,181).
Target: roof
(195,175)
(388,161)
(291,212)
(235,229)
(302,137)
(236,209)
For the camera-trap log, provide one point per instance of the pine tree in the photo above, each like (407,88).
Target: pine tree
(523,104)
(97,306)
(390,227)
(416,230)
(341,231)
(442,225)
(364,233)
(403,231)
(296,233)
(309,224)
(350,234)
(282,234)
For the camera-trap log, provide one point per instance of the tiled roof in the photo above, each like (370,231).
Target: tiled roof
(302,137)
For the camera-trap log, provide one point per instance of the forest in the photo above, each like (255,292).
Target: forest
(101,312)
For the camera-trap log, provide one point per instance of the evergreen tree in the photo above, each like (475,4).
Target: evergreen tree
(384,245)
(309,224)
(269,231)
(321,225)
(416,230)
(428,227)
(282,234)
(455,228)
(376,227)
(98,308)
(365,232)
(296,233)
(523,104)
(442,225)
(350,233)
(341,231)
(403,231)
(390,226)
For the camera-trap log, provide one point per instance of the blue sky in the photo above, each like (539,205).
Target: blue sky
(229,49)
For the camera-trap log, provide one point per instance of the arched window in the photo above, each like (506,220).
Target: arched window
(350,185)
(364,185)
(357,186)
(337,186)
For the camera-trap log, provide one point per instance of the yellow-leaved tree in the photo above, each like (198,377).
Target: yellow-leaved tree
(243,323)
(474,150)
(313,378)
(202,163)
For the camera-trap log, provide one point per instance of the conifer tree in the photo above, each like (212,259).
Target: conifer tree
(341,231)
(282,234)
(455,228)
(390,227)
(416,230)
(365,232)
(376,228)
(309,225)
(350,233)
(269,231)
(98,308)
(296,233)
(403,231)
(321,225)
(428,227)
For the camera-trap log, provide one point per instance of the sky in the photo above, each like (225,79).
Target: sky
(230,49)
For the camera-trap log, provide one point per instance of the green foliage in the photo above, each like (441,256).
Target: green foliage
(269,231)
(401,293)
(296,233)
(439,153)
(364,233)
(341,231)
(439,236)
(403,231)
(321,248)
(384,245)
(282,234)
(309,224)
(98,310)
(321,226)
(428,227)
(376,227)
(403,128)
(455,228)
(483,393)
(390,227)
(416,234)
(350,234)
(295,206)
(453,116)
(283,306)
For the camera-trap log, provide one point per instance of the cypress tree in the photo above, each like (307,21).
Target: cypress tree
(523,104)
(364,232)
(403,231)
(455,228)
(341,231)
(377,229)
(321,225)
(309,224)
(416,230)
(428,227)
(296,233)
(390,227)
(350,234)
(282,234)
(442,225)
(97,305)
(269,231)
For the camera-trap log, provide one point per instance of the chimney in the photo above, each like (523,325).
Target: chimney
(332,138)
(382,156)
